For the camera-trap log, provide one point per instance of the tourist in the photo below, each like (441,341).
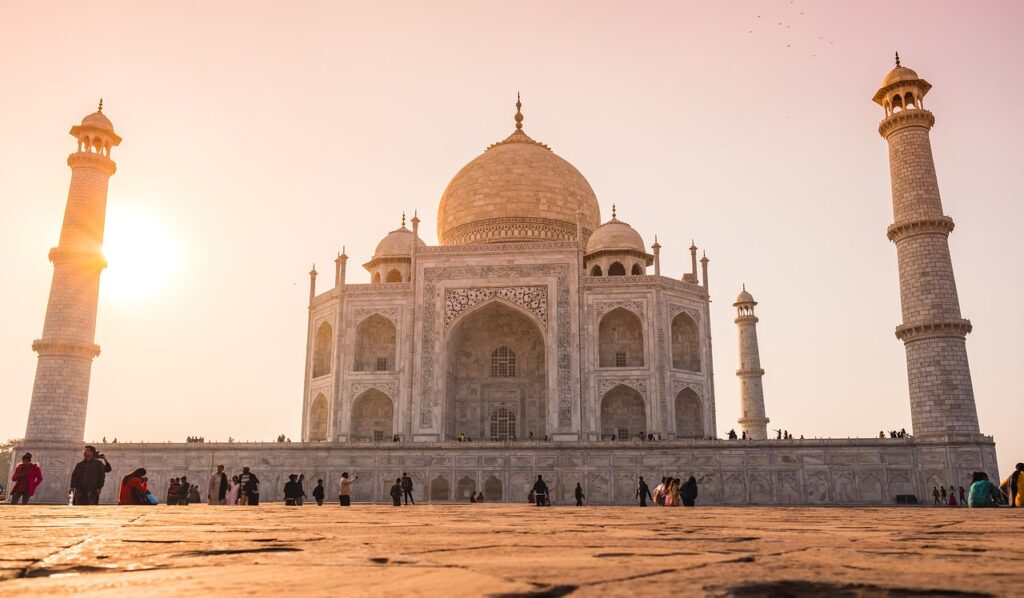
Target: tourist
(479,497)
(688,492)
(88,477)
(185,493)
(217,488)
(231,499)
(472,497)
(732,434)
(659,493)
(935,494)
(173,488)
(942,493)
(250,487)
(672,494)
(407,488)
(963,497)
(302,491)
(983,493)
(396,493)
(1013,486)
(318,493)
(579,495)
(540,492)
(952,496)
(345,489)
(26,478)
(643,492)
(193,494)
(291,491)
(133,489)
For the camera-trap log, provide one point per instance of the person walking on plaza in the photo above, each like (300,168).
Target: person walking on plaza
(935,493)
(983,493)
(193,494)
(688,492)
(318,493)
(672,495)
(407,489)
(579,495)
(643,492)
(217,488)
(250,487)
(963,497)
(185,492)
(1013,486)
(231,499)
(133,489)
(292,491)
(942,492)
(88,477)
(173,488)
(659,493)
(345,489)
(396,493)
(540,492)
(302,491)
(952,496)
(26,478)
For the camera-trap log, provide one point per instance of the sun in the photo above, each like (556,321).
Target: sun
(142,254)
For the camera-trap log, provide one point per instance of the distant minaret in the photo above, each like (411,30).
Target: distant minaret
(66,350)
(933,332)
(752,419)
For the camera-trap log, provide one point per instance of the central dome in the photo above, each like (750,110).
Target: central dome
(518,190)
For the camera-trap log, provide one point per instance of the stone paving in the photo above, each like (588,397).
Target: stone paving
(511,550)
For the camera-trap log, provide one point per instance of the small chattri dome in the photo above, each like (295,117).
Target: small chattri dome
(615,235)
(397,243)
(898,74)
(744,298)
(98,120)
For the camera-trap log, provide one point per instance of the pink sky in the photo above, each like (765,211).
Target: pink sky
(264,139)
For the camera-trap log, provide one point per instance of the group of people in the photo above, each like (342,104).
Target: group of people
(671,492)
(901,433)
(984,492)
(403,488)
(779,435)
(195,439)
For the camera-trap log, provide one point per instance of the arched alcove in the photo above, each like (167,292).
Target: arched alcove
(689,415)
(492,489)
(439,489)
(464,488)
(318,418)
(394,276)
(616,269)
(372,416)
(596,270)
(623,413)
(685,343)
(322,350)
(637,270)
(620,339)
(375,345)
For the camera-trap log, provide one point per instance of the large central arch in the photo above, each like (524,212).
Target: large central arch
(497,375)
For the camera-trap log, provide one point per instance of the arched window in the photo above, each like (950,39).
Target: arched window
(637,271)
(623,413)
(375,279)
(503,423)
(503,363)
(322,351)
(394,276)
(595,271)
(908,100)
(616,269)
(375,345)
(689,415)
(685,343)
(620,340)
(372,416)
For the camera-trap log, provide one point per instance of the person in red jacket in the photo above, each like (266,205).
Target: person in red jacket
(133,489)
(26,478)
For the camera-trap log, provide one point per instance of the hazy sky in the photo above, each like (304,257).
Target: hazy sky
(259,138)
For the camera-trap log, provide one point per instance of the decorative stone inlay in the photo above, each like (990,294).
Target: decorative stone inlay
(533,299)
(383,286)
(522,229)
(637,306)
(361,313)
(499,247)
(431,276)
(675,309)
(388,388)
(679,385)
(637,384)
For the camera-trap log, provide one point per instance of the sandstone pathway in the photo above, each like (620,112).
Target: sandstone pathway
(510,550)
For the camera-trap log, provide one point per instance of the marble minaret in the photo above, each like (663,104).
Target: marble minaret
(752,419)
(66,350)
(933,331)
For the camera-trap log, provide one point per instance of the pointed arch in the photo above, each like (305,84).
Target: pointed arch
(689,415)
(439,489)
(492,489)
(685,343)
(616,269)
(637,270)
(620,339)
(322,350)
(623,413)
(318,418)
(376,338)
(596,270)
(375,279)
(373,416)
(394,276)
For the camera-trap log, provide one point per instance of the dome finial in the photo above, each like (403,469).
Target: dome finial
(744,287)
(403,218)
(897,58)
(613,212)
(100,108)
(519,113)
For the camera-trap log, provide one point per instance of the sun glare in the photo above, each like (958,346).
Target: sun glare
(141,252)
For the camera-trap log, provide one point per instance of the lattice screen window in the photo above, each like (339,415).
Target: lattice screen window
(503,363)
(620,360)
(382,364)
(503,424)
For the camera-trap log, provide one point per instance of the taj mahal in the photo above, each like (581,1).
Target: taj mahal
(539,337)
